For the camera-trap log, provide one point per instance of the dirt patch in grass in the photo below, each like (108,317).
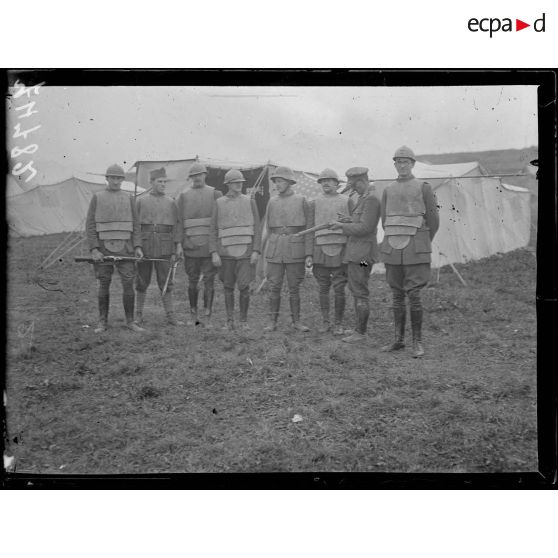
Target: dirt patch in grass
(192,400)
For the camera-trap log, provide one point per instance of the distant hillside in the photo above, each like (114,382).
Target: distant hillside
(504,161)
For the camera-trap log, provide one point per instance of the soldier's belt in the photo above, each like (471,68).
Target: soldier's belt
(285,230)
(157,228)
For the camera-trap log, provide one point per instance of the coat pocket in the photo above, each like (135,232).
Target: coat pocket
(385,246)
(297,246)
(166,244)
(271,246)
(422,242)
(147,242)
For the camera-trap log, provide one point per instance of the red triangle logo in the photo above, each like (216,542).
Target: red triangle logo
(519,25)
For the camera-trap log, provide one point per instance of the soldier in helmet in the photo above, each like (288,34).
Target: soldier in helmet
(362,248)
(328,250)
(161,239)
(286,254)
(235,244)
(410,220)
(112,229)
(195,207)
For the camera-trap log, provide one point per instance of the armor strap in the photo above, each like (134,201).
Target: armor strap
(115,235)
(405,220)
(115,226)
(331,239)
(396,230)
(236,231)
(233,240)
(204,221)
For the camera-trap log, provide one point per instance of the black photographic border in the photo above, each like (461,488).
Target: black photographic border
(546,289)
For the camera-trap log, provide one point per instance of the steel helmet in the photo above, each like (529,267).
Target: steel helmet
(196,168)
(115,170)
(284,172)
(404,151)
(328,173)
(234,176)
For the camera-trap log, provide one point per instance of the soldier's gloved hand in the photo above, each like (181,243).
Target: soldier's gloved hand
(335,225)
(97,255)
(138,252)
(308,261)
(179,252)
(216,259)
(254,258)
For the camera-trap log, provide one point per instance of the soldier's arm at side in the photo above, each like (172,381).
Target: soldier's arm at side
(308,238)
(432,216)
(257,244)
(213,231)
(136,234)
(311,221)
(90,228)
(383,207)
(178,226)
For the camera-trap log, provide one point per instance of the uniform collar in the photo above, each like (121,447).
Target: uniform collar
(406,179)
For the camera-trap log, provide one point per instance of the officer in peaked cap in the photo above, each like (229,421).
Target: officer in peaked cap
(328,249)
(235,244)
(195,208)
(161,238)
(286,254)
(362,250)
(112,229)
(410,220)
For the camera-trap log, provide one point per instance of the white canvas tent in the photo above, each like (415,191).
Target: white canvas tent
(479,215)
(52,207)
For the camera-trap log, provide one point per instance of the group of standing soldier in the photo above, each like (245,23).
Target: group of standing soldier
(222,234)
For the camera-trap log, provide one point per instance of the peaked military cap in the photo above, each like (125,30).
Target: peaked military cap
(355,172)
(158,173)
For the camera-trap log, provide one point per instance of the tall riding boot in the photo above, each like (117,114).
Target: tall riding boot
(339,312)
(128,303)
(274,305)
(140,303)
(103,313)
(416,327)
(169,310)
(324,307)
(362,312)
(208,294)
(244,302)
(229,308)
(399,314)
(193,299)
(295,313)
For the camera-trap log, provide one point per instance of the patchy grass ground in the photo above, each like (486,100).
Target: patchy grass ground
(191,400)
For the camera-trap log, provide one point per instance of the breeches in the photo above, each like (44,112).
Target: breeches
(407,280)
(276,272)
(330,276)
(145,269)
(195,267)
(358,276)
(126,270)
(236,272)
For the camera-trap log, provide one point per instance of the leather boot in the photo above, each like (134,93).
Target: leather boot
(193,299)
(208,294)
(399,314)
(324,307)
(416,327)
(229,308)
(274,305)
(295,314)
(359,335)
(169,310)
(103,313)
(140,303)
(128,303)
(339,312)
(244,303)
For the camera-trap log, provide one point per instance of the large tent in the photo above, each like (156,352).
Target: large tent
(59,205)
(479,215)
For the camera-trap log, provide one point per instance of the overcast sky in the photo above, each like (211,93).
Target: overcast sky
(309,128)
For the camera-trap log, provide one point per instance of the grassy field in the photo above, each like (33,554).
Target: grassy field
(191,400)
